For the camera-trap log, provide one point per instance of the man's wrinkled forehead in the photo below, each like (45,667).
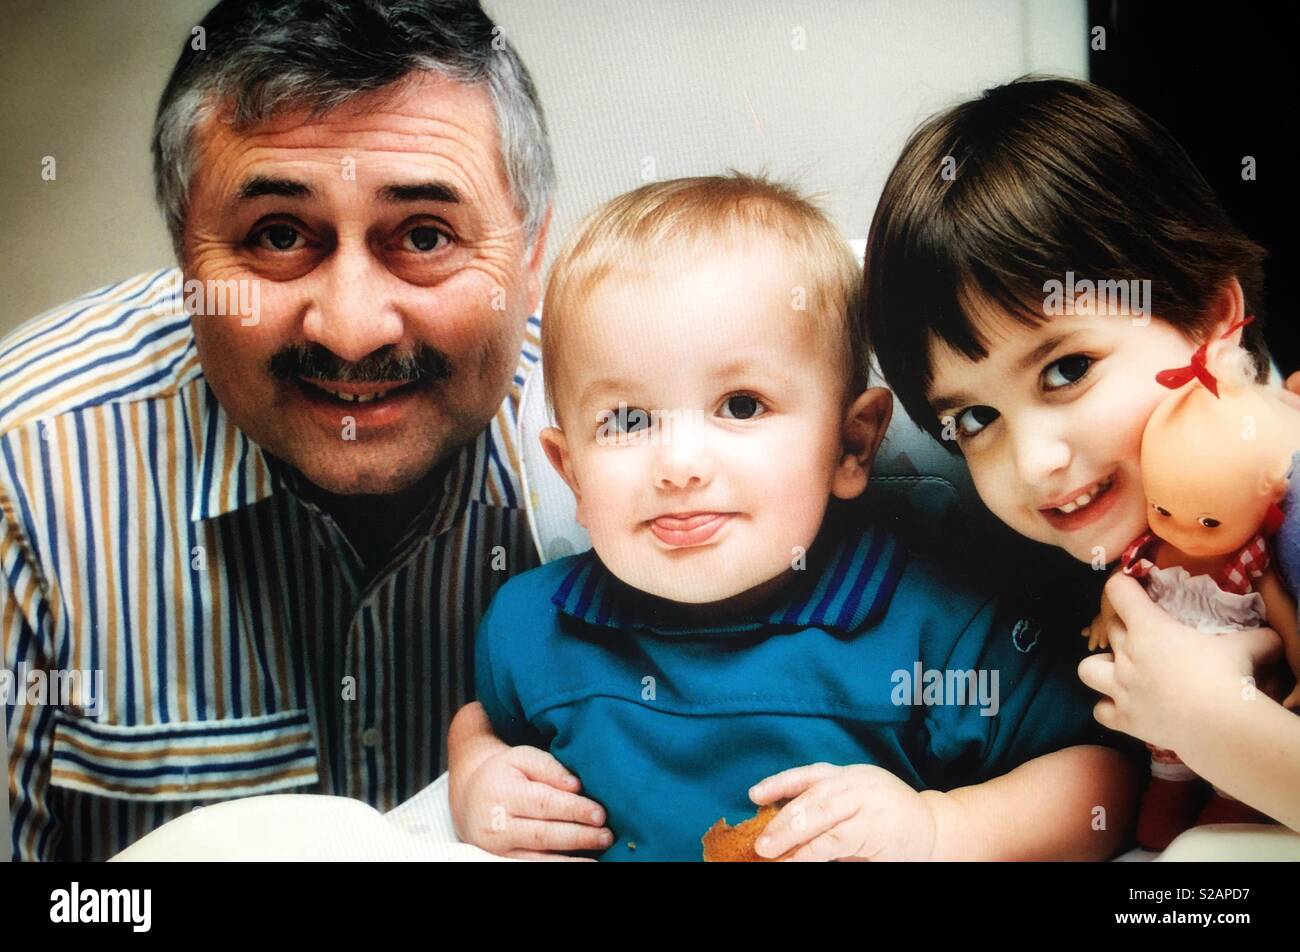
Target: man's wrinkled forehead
(426,129)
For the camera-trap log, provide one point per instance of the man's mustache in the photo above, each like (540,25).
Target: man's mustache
(385,365)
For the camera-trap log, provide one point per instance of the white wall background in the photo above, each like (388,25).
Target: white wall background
(820,92)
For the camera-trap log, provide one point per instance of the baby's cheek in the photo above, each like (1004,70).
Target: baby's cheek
(792,509)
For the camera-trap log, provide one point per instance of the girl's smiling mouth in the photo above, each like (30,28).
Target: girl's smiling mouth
(1085,506)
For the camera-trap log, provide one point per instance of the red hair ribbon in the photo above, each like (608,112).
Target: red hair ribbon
(1173,379)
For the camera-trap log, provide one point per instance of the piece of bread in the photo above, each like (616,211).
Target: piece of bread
(724,843)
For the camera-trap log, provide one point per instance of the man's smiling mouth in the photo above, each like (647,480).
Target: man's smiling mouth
(354,392)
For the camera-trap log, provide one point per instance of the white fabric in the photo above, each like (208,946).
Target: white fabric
(311,828)
(1197,601)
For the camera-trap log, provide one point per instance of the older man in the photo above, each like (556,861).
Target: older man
(268,494)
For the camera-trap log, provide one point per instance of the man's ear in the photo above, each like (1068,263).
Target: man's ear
(533,264)
(556,447)
(865,424)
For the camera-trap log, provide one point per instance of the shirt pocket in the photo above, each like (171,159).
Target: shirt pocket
(187,760)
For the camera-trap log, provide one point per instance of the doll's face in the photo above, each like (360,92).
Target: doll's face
(1211,467)
(1200,526)
(1051,422)
(704,425)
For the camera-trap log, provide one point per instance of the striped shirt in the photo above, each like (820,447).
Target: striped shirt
(243,647)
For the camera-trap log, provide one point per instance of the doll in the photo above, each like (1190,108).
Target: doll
(1215,464)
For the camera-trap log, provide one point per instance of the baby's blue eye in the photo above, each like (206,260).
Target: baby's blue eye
(1066,371)
(628,419)
(973,419)
(741,406)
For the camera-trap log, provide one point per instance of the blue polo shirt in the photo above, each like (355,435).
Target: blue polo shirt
(874,656)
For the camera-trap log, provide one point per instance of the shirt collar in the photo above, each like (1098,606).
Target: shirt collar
(230,471)
(849,586)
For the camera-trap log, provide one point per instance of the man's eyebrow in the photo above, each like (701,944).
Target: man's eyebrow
(420,192)
(261,185)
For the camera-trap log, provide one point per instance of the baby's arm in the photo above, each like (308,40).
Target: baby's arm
(1072,804)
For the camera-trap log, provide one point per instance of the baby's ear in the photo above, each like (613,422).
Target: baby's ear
(865,424)
(556,447)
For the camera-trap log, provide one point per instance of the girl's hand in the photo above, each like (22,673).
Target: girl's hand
(1289,396)
(1165,677)
(1291,392)
(860,812)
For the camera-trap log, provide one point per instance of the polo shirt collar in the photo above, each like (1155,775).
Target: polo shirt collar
(849,586)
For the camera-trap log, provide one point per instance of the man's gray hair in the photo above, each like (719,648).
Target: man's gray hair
(258,58)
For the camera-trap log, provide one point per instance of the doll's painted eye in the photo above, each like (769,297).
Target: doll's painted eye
(1161,509)
(1209,523)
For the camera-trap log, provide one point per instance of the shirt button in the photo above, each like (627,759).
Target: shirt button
(370,737)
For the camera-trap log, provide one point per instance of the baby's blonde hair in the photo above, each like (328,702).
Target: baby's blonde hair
(706,211)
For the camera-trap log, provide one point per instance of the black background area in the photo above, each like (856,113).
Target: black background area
(1222,78)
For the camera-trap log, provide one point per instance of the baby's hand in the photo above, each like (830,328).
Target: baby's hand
(860,812)
(521,802)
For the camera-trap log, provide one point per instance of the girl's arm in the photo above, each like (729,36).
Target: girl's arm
(1174,687)
(1251,750)
(1281,613)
